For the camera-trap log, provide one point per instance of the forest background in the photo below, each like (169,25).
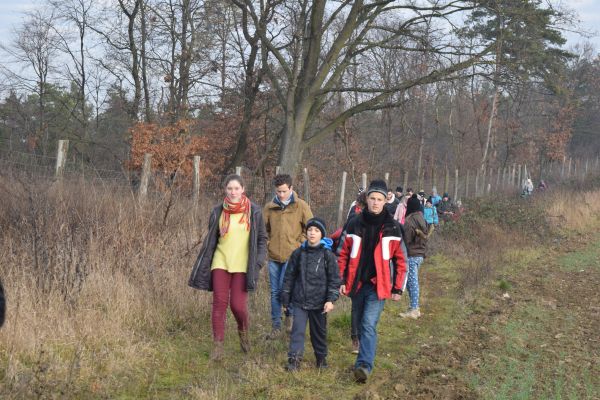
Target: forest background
(416,87)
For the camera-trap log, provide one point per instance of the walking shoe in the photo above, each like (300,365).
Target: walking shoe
(293,364)
(361,374)
(355,345)
(289,322)
(322,363)
(217,351)
(413,313)
(244,341)
(274,335)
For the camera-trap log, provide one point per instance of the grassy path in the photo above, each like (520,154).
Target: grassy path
(529,333)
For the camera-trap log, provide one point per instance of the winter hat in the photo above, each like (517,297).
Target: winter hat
(413,205)
(319,224)
(446,195)
(378,186)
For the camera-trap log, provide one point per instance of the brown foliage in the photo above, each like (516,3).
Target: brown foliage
(174,146)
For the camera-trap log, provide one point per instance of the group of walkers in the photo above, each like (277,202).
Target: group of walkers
(375,257)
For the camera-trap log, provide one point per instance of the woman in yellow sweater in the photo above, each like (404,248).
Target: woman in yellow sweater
(229,262)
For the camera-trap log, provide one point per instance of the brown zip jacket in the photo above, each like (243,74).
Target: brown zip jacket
(286,227)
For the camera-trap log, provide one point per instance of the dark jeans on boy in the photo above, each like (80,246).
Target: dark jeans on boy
(317,322)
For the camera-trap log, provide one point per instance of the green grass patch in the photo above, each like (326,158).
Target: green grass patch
(586,259)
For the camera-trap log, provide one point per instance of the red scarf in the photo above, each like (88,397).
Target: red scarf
(235,208)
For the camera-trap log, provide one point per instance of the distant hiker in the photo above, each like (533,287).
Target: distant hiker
(445,208)
(399,193)
(285,219)
(358,204)
(401,210)
(229,262)
(422,196)
(527,188)
(311,285)
(391,202)
(373,268)
(430,213)
(542,186)
(435,197)
(416,234)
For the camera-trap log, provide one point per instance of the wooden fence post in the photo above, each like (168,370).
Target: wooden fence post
(483,181)
(513,177)
(61,158)
(196,183)
(364,181)
(519,180)
(405,181)
(498,179)
(341,206)
(146,170)
(455,184)
(238,170)
(277,170)
(447,181)
(306,186)
(467,186)
(387,179)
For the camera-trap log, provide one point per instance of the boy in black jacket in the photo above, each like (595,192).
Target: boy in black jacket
(311,285)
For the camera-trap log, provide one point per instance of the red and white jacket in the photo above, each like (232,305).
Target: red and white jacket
(390,258)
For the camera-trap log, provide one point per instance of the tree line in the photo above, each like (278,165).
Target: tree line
(363,86)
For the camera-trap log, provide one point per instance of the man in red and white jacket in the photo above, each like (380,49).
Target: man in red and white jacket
(373,268)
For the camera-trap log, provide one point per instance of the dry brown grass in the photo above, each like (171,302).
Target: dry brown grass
(98,298)
(92,278)
(574,210)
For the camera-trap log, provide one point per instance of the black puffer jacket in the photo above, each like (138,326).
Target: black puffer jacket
(201,277)
(2,304)
(312,278)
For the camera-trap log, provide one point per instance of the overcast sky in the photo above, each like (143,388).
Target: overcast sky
(11,15)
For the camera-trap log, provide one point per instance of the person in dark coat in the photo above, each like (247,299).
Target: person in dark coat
(229,262)
(415,229)
(2,305)
(311,284)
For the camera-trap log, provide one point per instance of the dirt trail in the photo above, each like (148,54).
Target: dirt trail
(539,339)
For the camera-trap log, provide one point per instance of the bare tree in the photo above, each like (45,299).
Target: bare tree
(34,49)
(76,14)
(312,43)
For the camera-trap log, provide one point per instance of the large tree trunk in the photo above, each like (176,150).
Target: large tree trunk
(292,147)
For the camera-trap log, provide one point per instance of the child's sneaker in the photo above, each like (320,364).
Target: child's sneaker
(413,313)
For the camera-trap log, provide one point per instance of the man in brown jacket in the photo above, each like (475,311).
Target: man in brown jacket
(285,219)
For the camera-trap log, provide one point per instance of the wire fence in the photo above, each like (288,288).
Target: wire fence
(321,189)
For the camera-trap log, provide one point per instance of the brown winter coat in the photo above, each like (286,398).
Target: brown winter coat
(286,227)
(415,244)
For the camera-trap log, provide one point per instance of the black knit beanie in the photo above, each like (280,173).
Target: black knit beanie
(319,224)
(378,186)
(413,205)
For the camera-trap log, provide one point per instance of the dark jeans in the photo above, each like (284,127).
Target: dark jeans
(317,322)
(354,322)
